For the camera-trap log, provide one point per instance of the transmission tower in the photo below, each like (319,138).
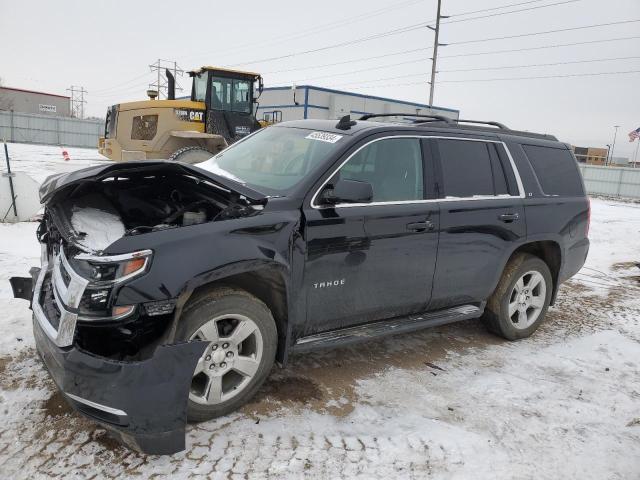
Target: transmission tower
(77,101)
(160,85)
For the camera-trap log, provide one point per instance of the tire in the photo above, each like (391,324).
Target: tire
(191,155)
(526,284)
(232,369)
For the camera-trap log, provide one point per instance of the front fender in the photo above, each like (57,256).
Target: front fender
(184,258)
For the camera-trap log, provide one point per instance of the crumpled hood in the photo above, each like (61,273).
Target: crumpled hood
(56,182)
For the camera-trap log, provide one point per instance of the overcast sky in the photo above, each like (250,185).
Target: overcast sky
(107,47)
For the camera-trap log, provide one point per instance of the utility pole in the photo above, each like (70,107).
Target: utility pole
(434,60)
(161,83)
(613,145)
(77,101)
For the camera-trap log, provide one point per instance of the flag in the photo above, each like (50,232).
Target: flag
(634,134)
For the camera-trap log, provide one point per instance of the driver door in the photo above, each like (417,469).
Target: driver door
(373,261)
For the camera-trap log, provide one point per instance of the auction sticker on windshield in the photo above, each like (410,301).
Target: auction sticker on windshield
(324,137)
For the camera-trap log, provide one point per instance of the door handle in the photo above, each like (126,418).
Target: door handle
(420,226)
(509,217)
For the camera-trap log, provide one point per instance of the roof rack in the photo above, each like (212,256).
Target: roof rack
(411,115)
(456,122)
(501,126)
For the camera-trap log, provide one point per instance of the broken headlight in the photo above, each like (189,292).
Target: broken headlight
(111,269)
(103,272)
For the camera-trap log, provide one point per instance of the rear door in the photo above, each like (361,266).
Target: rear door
(368,262)
(481,217)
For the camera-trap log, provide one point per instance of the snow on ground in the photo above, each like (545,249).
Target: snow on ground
(451,402)
(40,161)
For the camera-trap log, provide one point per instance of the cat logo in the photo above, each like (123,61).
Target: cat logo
(188,115)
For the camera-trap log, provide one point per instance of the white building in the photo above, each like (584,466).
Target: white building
(307,101)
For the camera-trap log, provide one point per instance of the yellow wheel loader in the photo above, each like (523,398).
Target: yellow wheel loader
(220,112)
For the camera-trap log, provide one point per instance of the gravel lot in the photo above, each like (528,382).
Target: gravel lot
(451,402)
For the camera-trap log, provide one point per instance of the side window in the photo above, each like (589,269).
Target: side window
(392,166)
(556,170)
(471,168)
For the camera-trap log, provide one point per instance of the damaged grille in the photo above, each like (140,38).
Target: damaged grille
(48,303)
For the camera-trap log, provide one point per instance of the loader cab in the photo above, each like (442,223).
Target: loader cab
(230,97)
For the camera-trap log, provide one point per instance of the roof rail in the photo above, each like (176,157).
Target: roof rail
(411,115)
(495,124)
(479,122)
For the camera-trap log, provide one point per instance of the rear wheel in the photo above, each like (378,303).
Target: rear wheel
(520,302)
(242,340)
(191,155)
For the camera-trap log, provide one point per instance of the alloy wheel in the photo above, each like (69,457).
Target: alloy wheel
(527,299)
(230,360)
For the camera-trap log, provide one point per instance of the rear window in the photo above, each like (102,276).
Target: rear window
(556,170)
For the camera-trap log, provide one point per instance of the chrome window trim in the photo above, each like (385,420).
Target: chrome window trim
(431,200)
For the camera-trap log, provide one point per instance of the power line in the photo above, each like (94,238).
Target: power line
(112,87)
(421,25)
(508,78)
(572,62)
(320,28)
(463,69)
(544,32)
(116,93)
(496,68)
(542,47)
(542,77)
(509,5)
(349,61)
(396,31)
(422,49)
(513,11)
(378,67)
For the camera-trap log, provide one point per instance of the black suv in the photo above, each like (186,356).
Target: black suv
(167,290)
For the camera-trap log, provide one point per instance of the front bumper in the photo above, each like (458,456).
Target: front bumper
(144,403)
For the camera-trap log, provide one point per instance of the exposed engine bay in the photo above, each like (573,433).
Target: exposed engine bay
(97,213)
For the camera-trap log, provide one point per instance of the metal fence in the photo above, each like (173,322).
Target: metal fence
(615,181)
(45,129)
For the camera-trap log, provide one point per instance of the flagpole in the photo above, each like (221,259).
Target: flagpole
(635,157)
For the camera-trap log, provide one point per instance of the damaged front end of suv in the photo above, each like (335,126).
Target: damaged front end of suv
(108,294)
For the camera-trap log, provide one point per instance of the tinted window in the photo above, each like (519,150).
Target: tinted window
(393,167)
(556,170)
(467,168)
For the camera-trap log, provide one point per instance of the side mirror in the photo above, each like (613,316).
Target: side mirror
(347,191)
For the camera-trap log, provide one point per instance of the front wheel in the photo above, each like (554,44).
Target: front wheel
(520,302)
(242,340)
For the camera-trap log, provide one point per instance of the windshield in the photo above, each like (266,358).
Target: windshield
(274,160)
